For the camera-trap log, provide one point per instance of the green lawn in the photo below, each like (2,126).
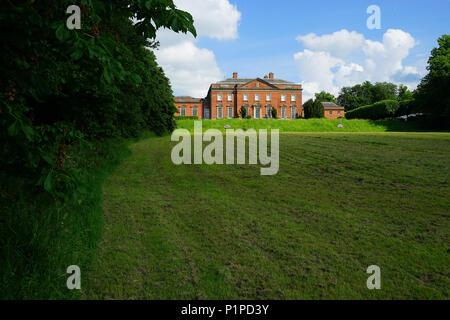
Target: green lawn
(340,202)
(310,125)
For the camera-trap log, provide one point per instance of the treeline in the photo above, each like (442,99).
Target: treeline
(67,98)
(367,93)
(385,100)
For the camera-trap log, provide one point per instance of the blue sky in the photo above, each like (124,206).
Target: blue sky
(264,39)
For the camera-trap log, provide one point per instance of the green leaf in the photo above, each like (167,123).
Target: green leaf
(60,32)
(77,54)
(13,129)
(48,183)
(148,4)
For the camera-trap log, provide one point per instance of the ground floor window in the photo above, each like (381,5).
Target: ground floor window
(182,111)
(257,113)
(331,113)
(283,113)
(194,111)
(230,112)
(339,113)
(219,113)
(293,112)
(268,112)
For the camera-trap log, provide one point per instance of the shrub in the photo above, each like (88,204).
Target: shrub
(406,107)
(274,113)
(243,112)
(186,118)
(379,110)
(313,109)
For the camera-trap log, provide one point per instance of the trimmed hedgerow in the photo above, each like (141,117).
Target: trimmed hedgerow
(379,110)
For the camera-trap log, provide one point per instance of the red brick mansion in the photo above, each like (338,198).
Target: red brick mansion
(258,96)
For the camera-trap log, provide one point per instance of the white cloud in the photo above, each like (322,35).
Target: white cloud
(317,68)
(328,55)
(192,69)
(340,43)
(217,19)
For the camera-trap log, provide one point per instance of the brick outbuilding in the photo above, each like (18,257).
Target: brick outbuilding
(332,110)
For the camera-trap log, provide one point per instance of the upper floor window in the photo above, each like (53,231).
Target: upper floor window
(293,98)
(283,98)
(219,97)
(268,97)
(245,96)
(230,97)
(257,97)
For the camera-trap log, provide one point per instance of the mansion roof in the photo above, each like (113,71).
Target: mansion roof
(187,99)
(331,105)
(241,82)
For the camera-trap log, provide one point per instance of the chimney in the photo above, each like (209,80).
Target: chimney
(235,74)
(271,75)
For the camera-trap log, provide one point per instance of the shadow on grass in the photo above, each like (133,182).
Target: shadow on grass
(412,125)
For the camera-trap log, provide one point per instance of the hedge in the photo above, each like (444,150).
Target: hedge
(379,110)
(406,107)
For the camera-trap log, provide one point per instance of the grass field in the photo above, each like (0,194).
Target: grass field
(310,125)
(340,202)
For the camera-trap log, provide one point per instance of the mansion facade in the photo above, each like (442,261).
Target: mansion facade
(258,96)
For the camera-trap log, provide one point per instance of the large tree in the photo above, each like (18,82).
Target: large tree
(324,96)
(366,94)
(59,85)
(433,92)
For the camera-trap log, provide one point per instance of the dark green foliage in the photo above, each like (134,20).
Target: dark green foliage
(186,117)
(274,113)
(243,112)
(313,109)
(325,97)
(366,94)
(406,107)
(59,86)
(66,90)
(380,110)
(433,93)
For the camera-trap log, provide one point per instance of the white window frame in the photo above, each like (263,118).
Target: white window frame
(293,98)
(283,98)
(182,111)
(230,114)
(219,114)
(245,97)
(257,97)
(268,97)
(229,97)
(194,108)
(338,113)
(331,113)
(219,97)
(293,114)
